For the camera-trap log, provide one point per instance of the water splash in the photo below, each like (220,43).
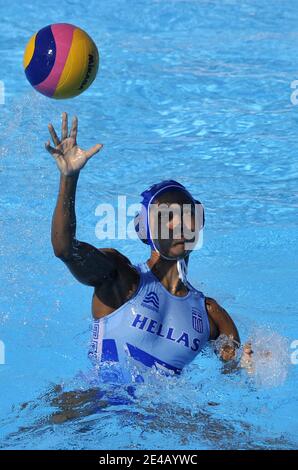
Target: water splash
(270,363)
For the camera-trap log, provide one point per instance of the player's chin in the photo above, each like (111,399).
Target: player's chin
(178,249)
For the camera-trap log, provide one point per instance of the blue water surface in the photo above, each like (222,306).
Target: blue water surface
(197,91)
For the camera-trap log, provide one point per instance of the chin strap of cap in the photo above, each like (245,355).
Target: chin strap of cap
(182,270)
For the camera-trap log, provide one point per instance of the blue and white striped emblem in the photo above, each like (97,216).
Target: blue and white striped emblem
(151,301)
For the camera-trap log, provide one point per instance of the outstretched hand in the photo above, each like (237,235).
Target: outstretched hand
(247,358)
(70,158)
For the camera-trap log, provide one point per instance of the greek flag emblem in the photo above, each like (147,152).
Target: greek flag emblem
(197,322)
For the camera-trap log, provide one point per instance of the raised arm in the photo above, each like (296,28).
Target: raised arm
(88,264)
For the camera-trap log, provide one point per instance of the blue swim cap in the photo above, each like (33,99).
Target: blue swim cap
(141,220)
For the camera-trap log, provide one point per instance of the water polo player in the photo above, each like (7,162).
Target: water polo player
(149,313)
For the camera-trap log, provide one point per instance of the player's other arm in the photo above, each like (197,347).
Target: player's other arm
(222,324)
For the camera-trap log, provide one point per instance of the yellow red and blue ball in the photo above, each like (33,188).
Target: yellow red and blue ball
(61,61)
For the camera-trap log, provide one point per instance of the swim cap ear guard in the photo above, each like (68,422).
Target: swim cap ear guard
(141,220)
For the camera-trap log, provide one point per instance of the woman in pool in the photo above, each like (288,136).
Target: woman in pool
(148,312)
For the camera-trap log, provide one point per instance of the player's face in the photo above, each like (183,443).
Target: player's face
(173,224)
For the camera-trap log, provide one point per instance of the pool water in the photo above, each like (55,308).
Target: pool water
(197,91)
